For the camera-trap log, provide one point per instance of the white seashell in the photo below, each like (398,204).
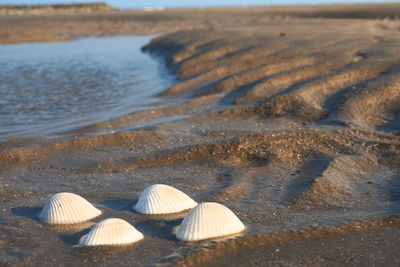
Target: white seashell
(162,199)
(67,208)
(209,220)
(112,231)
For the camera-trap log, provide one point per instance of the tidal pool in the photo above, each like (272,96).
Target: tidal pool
(48,88)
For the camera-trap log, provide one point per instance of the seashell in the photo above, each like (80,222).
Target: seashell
(67,208)
(209,220)
(162,199)
(112,231)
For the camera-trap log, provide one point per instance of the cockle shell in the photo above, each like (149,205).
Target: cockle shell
(209,220)
(163,199)
(67,208)
(112,231)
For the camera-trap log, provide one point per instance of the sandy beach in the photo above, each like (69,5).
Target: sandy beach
(289,116)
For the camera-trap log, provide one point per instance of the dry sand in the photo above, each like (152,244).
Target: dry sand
(288,116)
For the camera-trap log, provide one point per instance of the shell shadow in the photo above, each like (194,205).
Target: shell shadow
(394,195)
(74,238)
(91,254)
(163,229)
(119,204)
(28,212)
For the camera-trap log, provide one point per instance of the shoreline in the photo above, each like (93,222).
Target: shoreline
(21,10)
(290,122)
(48,27)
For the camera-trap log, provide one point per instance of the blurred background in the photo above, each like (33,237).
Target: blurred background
(186,3)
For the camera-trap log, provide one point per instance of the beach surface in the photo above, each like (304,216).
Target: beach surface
(289,116)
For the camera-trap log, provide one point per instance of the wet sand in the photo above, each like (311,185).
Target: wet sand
(289,118)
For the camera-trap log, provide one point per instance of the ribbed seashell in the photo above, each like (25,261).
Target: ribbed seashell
(111,232)
(163,199)
(67,208)
(209,220)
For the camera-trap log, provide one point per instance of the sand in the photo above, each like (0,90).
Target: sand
(288,116)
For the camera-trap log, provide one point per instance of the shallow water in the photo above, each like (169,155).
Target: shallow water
(47,88)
